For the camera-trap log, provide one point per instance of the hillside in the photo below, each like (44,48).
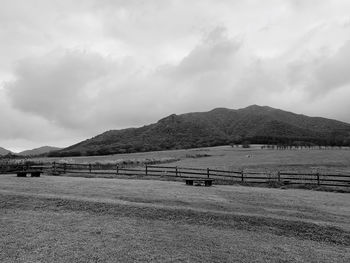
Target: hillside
(38,151)
(219,126)
(3,151)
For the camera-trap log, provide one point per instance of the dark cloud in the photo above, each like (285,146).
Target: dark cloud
(215,53)
(58,86)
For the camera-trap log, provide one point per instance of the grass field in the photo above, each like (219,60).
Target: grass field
(71,219)
(228,158)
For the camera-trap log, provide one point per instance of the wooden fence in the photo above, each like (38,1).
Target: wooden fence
(224,176)
(220,176)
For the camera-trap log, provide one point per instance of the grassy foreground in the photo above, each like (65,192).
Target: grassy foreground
(65,219)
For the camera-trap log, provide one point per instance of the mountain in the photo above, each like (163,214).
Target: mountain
(3,151)
(258,124)
(39,151)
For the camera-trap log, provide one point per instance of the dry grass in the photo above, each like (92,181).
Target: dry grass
(41,236)
(64,219)
(226,157)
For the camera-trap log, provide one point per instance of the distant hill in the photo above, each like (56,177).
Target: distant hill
(39,151)
(3,151)
(258,124)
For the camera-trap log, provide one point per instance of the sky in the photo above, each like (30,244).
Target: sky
(70,70)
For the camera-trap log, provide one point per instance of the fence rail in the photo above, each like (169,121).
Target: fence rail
(281,177)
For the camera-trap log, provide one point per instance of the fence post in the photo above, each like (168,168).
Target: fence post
(54,167)
(208,172)
(117,169)
(279,176)
(242,176)
(318,178)
(64,168)
(89,167)
(146,170)
(176,171)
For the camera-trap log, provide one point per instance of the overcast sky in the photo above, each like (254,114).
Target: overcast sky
(72,69)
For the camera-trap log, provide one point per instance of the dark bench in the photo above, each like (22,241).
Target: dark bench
(206,181)
(285,182)
(33,173)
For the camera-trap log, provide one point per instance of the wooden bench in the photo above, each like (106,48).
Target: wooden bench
(33,173)
(286,182)
(206,181)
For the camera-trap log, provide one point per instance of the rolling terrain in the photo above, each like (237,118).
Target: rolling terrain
(38,151)
(258,124)
(3,151)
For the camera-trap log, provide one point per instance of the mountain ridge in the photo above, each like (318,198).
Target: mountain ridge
(39,151)
(4,151)
(259,124)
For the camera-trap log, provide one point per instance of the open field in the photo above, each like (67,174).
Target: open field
(70,219)
(256,158)
(226,157)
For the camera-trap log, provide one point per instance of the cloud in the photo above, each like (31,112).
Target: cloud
(20,130)
(83,90)
(215,53)
(320,73)
(74,69)
(86,91)
(333,72)
(58,86)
